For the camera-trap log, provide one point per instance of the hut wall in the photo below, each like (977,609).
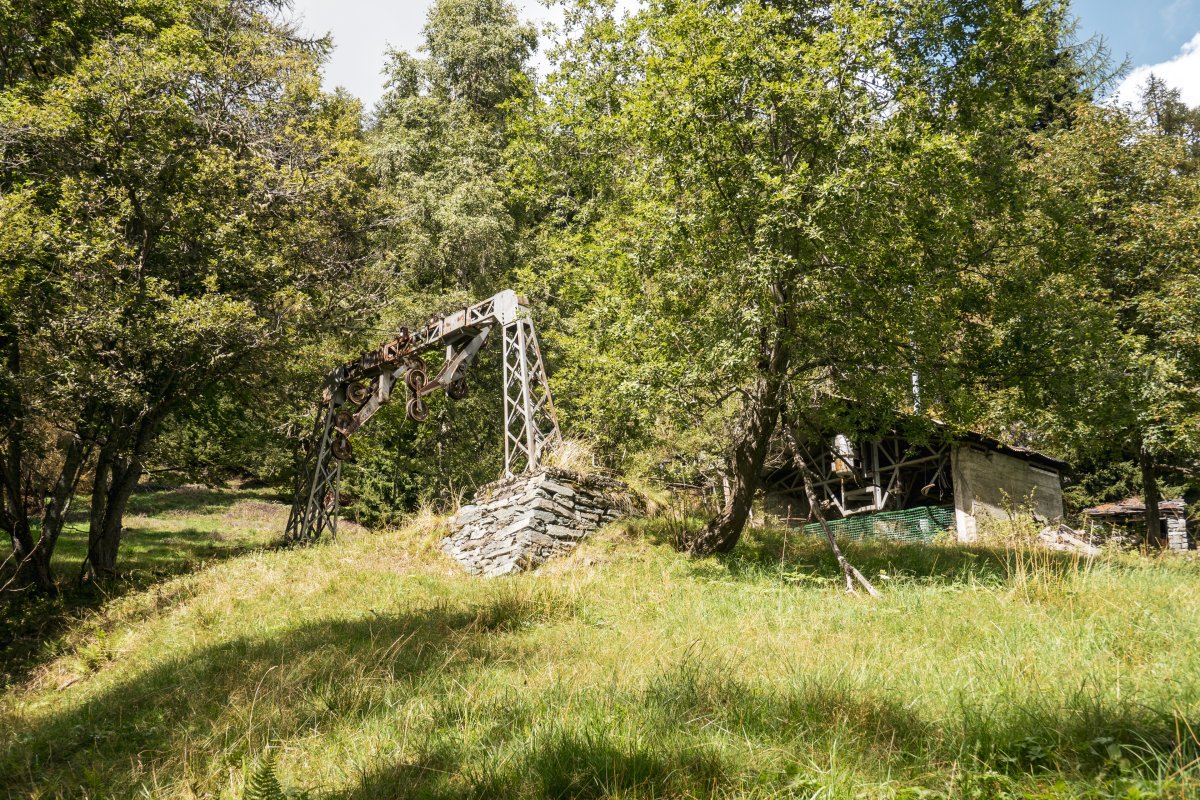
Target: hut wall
(989,484)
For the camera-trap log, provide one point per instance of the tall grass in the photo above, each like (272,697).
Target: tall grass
(1033,571)
(373,668)
(573,455)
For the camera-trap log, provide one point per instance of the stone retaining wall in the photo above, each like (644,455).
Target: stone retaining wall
(1177,534)
(517,523)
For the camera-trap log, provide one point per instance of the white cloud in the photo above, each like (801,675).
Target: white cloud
(1182,72)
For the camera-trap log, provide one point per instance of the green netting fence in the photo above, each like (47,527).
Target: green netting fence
(910,525)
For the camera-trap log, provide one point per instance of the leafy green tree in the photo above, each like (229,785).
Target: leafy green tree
(1171,117)
(39,42)
(185,206)
(438,140)
(764,203)
(1114,243)
(450,235)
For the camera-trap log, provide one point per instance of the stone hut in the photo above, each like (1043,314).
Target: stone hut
(1127,518)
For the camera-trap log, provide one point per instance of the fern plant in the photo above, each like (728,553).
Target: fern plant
(264,783)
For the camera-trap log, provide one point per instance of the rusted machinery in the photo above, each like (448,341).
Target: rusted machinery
(355,391)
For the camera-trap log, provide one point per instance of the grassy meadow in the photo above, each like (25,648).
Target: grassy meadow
(373,668)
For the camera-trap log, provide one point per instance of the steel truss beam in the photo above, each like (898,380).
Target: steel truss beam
(877,478)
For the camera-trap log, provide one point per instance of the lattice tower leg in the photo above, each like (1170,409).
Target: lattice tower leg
(318,482)
(530,426)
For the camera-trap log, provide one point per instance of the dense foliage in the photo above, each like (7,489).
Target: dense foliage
(182,205)
(450,235)
(783,203)
(726,213)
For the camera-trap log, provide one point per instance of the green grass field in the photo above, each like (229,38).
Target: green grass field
(166,533)
(373,668)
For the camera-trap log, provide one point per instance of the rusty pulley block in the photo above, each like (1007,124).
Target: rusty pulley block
(357,393)
(416,409)
(340,445)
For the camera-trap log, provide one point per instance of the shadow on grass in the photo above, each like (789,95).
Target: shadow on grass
(247,691)
(694,729)
(199,500)
(694,732)
(566,764)
(191,500)
(30,624)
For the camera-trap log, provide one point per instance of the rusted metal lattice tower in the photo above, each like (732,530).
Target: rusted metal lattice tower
(315,493)
(529,423)
(356,390)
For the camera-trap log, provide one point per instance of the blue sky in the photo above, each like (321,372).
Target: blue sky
(1150,31)
(1162,36)
(1159,36)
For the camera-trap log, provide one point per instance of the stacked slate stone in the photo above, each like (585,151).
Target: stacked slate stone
(517,523)
(1177,534)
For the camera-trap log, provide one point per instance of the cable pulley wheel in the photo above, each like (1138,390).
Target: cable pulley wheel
(342,421)
(417,410)
(416,378)
(357,393)
(457,390)
(340,446)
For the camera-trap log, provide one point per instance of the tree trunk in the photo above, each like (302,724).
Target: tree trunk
(104,539)
(31,558)
(98,510)
(13,515)
(55,506)
(58,502)
(1154,536)
(757,422)
(104,530)
(116,478)
(31,562)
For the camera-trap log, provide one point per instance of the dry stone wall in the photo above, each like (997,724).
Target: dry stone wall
(518,523)
(1177,534)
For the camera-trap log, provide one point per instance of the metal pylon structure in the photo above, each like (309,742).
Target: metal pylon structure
(355,391)
(316,490)
(529,423)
